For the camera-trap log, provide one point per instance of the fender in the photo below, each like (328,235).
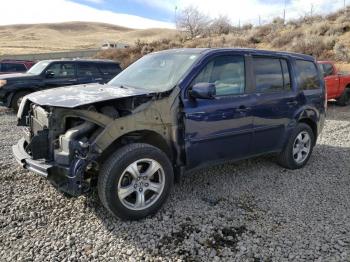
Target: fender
(155,116)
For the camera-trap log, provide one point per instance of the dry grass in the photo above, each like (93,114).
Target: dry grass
(322,37)
(343,67)
(22,39)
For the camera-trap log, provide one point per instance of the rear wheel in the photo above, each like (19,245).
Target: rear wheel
(135,181)
(299,148)
(344,100)
(17,99)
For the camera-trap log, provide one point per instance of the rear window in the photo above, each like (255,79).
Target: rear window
(110,69)
(87,69)
(271,75)
(307,75)
(11,67)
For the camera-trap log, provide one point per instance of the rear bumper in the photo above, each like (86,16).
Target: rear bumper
(24,159)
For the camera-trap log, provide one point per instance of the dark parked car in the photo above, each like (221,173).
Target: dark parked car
(169,112)
(15,66)
(54,73)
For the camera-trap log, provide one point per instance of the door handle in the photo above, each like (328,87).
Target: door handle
(292,103)
(243,109)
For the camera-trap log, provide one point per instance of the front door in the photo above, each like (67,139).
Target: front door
(220,128)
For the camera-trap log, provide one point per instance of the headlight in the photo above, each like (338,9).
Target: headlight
(3,82)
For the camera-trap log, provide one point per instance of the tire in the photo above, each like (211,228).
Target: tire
(121,185)
(16,99)
(344,100)
(294,154)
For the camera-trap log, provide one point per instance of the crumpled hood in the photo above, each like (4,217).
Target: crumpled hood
(78,95)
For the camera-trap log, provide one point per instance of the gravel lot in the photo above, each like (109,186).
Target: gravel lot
(252,210)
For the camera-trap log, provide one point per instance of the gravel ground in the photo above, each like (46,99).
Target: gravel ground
(252,210)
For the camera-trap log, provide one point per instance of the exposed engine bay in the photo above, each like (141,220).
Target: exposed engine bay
(73,140)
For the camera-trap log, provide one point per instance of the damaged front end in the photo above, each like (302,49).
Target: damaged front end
(65,144)
(57,147)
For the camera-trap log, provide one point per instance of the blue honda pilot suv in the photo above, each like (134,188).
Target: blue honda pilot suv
(167,113)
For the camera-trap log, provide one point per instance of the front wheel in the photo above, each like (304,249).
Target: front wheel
(135,181)
(299,148)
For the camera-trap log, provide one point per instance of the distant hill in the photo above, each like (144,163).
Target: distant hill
(40,38)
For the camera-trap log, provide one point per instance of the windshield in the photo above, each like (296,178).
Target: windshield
(38,68)
(157,72)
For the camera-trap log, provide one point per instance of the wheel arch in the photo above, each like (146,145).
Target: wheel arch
(13,93)
(150,137)
(310,122)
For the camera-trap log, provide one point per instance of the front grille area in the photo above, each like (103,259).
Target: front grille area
(38,143)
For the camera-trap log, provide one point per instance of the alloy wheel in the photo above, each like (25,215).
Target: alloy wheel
(141,184)
(301,147)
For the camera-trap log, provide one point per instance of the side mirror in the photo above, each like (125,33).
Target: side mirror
(49,74)
(203,91)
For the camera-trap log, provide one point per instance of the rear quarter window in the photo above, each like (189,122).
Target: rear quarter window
(307,75)
(110,69)
(87,70)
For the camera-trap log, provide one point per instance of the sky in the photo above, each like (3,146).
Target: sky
(156,13)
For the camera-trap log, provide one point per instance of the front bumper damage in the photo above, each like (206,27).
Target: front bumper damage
(26,161)
(66,179)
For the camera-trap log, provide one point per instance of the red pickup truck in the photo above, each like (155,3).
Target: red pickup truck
(337,83)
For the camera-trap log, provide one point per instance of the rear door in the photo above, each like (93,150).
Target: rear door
(220,128)
(109,70)
(60,74)
(89,73)
(275,104)
(331,80)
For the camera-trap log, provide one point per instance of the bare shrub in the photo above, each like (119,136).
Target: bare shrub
(310,45)
(221,25)
(319,28)
(341,52)
(247,27)
(285,38)
(192,21)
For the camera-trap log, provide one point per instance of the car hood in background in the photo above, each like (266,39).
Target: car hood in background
(79,95)
(15,76)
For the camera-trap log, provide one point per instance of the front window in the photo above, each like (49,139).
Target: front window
(156,72)
(38,68)
(226,72)
(61,70)
(328,69)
